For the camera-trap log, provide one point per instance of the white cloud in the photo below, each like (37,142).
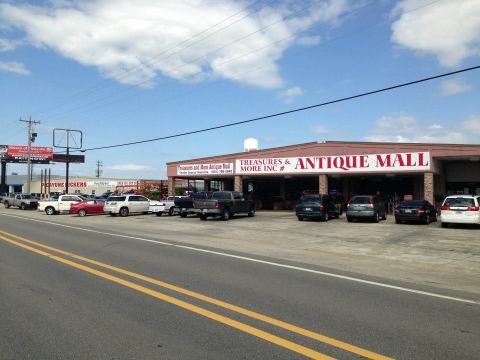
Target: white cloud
(320,129)
(453,87)
(8,45)
(129,167)
(404,128)
(448,30)
(117,36)
(290,94)
(14,67)
(309,40)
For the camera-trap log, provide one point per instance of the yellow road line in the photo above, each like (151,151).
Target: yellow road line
(284,325)
(302,350)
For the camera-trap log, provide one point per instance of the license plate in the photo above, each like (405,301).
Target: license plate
(204,210)
(408,211)
(184,209)
(458,212)
(308,209)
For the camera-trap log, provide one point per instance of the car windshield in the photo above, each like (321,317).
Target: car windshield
(460,202)
(309,198)
(200,196)
(412,203)
(361,200)
(221,195)
(117,198)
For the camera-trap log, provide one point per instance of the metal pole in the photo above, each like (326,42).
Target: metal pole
(67,164)
(29,157)
(49,181)
(41,183)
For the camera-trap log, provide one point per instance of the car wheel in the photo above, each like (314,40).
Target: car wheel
(82,213)
(251,213)
(376,218)
(203,217)
(171,211)
(159,213)
(23,206)
(225,215)
(300,218)
(427,220)
(124,212)
(7,205)
(50,210)
(183,215)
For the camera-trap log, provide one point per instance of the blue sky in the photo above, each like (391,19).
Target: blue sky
(122,71)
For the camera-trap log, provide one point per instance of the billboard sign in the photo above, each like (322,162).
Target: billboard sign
(337,164)
(63,158)
(19,154)
(205,169)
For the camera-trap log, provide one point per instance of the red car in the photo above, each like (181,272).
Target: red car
(88,206)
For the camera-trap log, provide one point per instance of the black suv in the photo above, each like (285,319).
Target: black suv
(316,206)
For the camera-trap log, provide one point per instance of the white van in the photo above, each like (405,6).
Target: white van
(460,209)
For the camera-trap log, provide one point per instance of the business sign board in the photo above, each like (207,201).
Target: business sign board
(19,154)
(94,184)
(205,169)
(63,158)
(337,164)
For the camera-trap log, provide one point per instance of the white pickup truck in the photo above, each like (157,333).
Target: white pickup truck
(62,204)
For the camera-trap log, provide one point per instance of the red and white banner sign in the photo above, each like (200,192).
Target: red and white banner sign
(205,169)
(385,163)
(19,154)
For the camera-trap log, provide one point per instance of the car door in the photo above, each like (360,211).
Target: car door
(97,208)
(132,203)
(64,203)
(143,204)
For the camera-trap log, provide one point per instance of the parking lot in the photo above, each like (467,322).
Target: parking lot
(422,254)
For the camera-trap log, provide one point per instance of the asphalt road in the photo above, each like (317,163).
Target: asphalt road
(67,293)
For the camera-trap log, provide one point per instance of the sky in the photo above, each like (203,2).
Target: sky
(123,71)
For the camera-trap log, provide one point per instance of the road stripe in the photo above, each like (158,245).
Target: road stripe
(302,350)
(284,325)
(270,263)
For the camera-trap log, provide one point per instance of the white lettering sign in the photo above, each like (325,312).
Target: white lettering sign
(395,162)
(205,169)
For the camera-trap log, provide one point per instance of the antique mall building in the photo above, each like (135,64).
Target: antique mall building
(277,177)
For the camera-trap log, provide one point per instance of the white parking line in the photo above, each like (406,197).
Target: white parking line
(291,267)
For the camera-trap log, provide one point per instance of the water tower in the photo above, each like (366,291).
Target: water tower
(250,144)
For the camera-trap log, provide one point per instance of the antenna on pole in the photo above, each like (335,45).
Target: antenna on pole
(98,170)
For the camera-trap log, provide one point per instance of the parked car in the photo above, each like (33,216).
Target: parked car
(460,209)
(316,206)
(2,195)
(22,201)
(170,207)
(156,207)
(366,207)
(124,205)
(184,204)
(88,206)
(224,204)
(415,210)
(59,205)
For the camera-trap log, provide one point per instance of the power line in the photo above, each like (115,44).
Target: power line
(264,117)
(106,83)
(201,57)
(88,106)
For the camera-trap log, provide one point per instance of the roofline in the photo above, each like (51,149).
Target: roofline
(322,142)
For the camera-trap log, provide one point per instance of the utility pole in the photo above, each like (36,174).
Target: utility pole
(98,170)
(31,138)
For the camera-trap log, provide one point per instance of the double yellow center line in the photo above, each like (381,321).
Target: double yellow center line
(287,344)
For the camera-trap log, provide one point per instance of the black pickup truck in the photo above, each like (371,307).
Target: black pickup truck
(224,204)
(184,205)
